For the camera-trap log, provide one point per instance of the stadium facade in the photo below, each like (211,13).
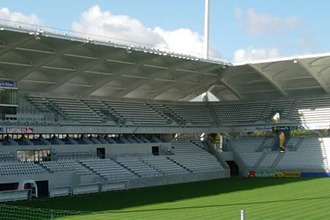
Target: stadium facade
(82,115)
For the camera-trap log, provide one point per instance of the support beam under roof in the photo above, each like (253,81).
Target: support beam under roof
(270,79)
(315,75)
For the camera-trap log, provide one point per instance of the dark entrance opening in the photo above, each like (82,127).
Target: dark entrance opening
(155,150)
(42,188)
(8,186)
(234,169)
(100,152)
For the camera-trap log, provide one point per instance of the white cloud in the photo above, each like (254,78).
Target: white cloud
(286,33)
(124,29)
(119,28)
(182,40)
(307,41)
(252,54)
(7,15)
(261,24)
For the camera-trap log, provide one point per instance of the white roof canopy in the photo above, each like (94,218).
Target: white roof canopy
(45,62)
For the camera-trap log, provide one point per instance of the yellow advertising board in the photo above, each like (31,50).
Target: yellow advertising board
(287,174)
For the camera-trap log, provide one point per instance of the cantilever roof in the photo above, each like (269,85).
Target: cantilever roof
(47,62)
(294,76)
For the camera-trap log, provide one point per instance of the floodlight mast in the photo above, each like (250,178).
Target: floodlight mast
(206,29)
(206,41)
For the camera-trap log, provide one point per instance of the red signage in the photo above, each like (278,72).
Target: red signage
(19,130)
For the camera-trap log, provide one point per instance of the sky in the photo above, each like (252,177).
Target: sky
(240,30)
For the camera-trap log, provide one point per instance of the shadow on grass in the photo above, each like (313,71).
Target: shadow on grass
(240,204)
(153,195)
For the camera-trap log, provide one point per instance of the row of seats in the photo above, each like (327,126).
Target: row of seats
(165,166)
(308,153)
(18,168)
(109,169)
(138,166)
(66,166)
(197,162)
(306,110)
(8,141)
(4,156)
(186,157)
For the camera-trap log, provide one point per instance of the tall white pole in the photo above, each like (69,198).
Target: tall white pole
(242,215)
(206,29)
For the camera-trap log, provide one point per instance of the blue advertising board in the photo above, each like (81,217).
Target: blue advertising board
(8,84)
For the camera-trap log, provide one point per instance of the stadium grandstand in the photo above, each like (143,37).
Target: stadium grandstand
(80,115)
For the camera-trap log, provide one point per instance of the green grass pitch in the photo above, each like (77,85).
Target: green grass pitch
(260,198)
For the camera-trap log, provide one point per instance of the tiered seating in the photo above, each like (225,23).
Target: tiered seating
(109,169)
(193,158)
(76,110)
(197,162)
(56,141)
(101,140)
(145,140)
(137,113)
(192,113)
(9,141)
(269,142)
(24,141)
(123,140)
(99,107)
(235,112)
(69,140)
(84,140)
(246,149)
(292,142)
(310,155)
(281,106)
(66,166)
(138,166)
(269,159)
(137,139)
(313,153)
(313,110)
(250,158)
(162,109)
(164,165)
(6,156)
(306,110)
(131,140)
(185,147)
(19,168)
(41,141)
(40,102)
(95,140)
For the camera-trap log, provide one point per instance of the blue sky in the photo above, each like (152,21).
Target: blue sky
(240,30)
